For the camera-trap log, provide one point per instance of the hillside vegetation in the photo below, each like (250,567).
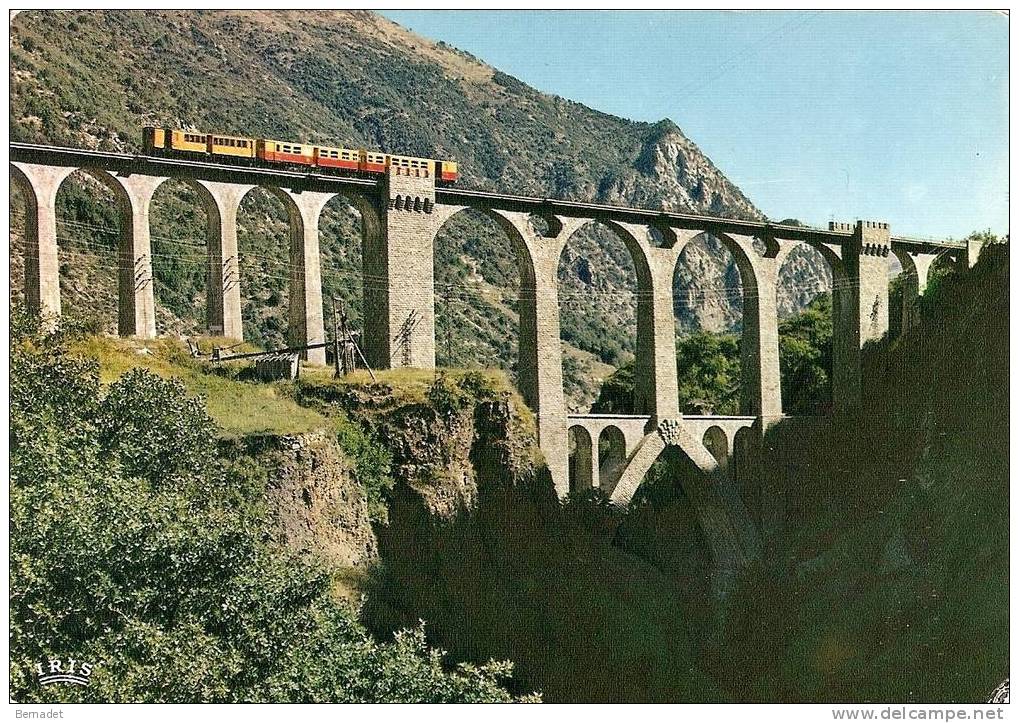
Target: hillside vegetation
(92,79)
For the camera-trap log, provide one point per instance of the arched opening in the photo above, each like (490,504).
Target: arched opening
(611,457)
(178,233)
(805,332)
(263,251)
(598,294)
(341,253)
(88,219)
(581,459)
(942,266)
(478,275)
(18,214)
(708,306)
(717,443)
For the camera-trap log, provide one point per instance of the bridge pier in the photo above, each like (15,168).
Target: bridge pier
(761,392)
(39,185)
(859,306)
(306,324)
(400,275)
(137,312)
(223,295)
(540,375)
(657,384)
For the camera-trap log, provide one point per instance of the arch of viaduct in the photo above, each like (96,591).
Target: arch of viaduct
(401,217)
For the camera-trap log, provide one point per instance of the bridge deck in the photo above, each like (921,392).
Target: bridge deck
(297,180)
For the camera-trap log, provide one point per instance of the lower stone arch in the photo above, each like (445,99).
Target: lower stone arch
(611,457)
(716,442)
(581,467)
(727,527)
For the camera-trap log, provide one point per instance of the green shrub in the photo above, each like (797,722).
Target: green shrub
(133,548)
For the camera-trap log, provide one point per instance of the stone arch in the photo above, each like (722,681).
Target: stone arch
(581,458)
(347,225)
(180,226)
(727,528)
(91,209)
(845,351)
(716,442)
(264,219)
(805,316)
(611,456)
(716,310)
(483,269)
(585,312)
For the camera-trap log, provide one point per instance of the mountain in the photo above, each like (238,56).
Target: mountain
(92,79)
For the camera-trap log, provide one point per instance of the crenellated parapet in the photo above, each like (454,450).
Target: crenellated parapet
(405,192)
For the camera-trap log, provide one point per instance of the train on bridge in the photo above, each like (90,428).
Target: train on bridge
(291,154)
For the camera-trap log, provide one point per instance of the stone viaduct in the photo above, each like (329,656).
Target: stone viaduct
(401,216)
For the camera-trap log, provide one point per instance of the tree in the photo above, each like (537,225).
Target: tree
(135,548)
(805,352)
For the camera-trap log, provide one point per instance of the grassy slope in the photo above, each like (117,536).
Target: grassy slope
(238,407)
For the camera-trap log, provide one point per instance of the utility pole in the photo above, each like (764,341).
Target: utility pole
(349,363)
(336,342)
(449,325)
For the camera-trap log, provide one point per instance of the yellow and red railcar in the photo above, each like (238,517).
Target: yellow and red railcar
(448,171)
(345,158)
(285,152)
(374,162)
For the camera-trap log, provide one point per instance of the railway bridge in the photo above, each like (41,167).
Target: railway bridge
(401,216)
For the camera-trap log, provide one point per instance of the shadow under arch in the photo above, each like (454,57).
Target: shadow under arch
(585,312)
(611,457)
(581,458)
(717,443)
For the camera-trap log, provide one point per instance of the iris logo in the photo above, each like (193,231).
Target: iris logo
(70,671)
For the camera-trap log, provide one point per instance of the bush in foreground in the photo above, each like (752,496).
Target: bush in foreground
(134,550)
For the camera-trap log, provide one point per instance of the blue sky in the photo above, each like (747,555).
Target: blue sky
(894,116)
